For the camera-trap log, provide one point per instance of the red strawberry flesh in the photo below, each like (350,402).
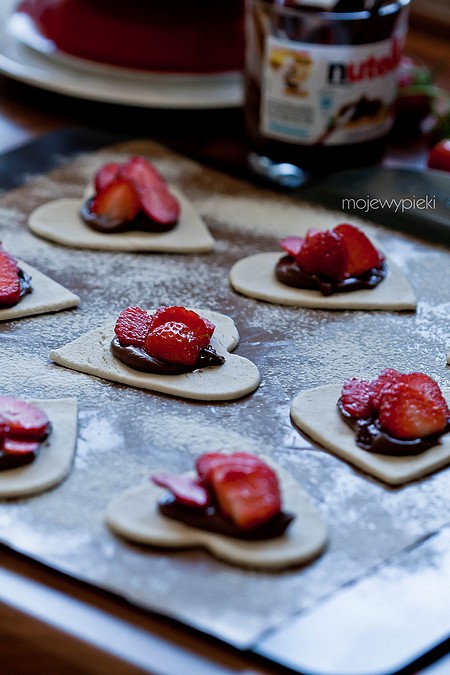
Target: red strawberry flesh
(361,253)
(9,280)
(132,326)
(407,413)
(173,342)
(356,398)
(249,495)
(186,490)
(156,201)
(323,253)
(388,377)
(292,245)
(202,328)
(106,175)
(211,460)
(160,206)
(245,487)
(25,420)
(144,174)
(118,202)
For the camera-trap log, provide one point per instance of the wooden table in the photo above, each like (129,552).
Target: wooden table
(51,623)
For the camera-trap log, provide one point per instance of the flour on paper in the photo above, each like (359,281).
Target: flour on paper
(315,412)
(238,376)
(47,296)
(255,277)
(55,455)
(59,221)
(134,514)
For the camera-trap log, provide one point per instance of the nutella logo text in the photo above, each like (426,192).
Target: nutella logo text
(370,68)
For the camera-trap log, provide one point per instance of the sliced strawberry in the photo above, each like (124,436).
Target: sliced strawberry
(132,326)
(106,175)
(185,490)
(249,495)
(323,253)
(407,413)
(14,447)
(118,202)
(9,280)
(143,173)
(156,201)
(361,253)
(292,245)
(173,342)
(356,398)
(25,420)
(160,206)
(426,385)
(387,378)
(211,460)
(201,327)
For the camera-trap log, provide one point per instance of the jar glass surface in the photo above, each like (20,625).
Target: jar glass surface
(320,86)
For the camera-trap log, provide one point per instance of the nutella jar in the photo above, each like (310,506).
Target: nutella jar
(320,85)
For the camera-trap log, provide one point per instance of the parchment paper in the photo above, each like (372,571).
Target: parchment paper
(125,434)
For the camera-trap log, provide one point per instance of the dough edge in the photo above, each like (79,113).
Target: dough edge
(314,411)
(191,235)
(47,296)
(56,454)
(254,277)
(238,376)
(128,515)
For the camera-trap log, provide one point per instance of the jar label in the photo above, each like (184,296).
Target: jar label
(328,94)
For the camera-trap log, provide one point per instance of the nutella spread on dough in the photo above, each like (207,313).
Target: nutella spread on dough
(212,520)
(288,272)
(139,359)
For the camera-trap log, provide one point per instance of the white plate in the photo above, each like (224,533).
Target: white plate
(33,62)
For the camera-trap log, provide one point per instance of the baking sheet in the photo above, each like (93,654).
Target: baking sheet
(125,434)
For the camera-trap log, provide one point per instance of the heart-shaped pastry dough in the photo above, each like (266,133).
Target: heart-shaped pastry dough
(55,456)
(255,277)
(238,376)
(134,514)
(47,296)
(315,412)
(59,221)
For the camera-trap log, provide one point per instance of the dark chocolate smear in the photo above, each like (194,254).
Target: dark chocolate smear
(14,460)
(108,226)
(289,273)
(137,358)
(211,520)
(370,437)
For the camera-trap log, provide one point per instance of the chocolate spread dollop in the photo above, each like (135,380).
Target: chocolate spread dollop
(212,520)
(137,358)
(369,436)
(25,287)
(16,460)
(289,273)
(108,226)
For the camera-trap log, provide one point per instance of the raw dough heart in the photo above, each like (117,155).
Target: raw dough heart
(59,221)
(315,412)
(134,515)
(55,455)
(47,296)
(238,376)
(255,277)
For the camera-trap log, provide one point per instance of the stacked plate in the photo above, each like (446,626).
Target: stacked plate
(27,56)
